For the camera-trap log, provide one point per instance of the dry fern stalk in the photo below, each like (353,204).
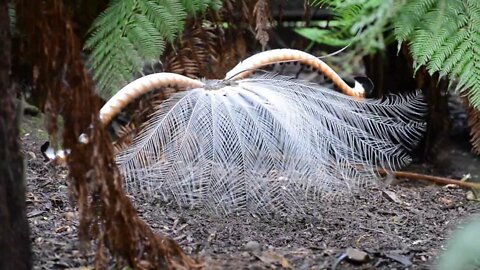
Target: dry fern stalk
(264,144)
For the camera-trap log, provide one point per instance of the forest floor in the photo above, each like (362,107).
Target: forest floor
(403,226)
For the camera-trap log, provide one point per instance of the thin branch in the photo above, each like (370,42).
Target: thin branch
(431,178)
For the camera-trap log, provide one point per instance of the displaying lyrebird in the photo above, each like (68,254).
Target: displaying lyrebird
(263,143)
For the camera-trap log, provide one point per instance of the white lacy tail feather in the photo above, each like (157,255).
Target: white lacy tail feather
(265,144)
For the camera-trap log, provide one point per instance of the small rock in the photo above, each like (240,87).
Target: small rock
(69,215)
(356,255)
(252,246)
(32,155)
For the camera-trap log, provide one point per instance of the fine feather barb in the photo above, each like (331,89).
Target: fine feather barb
(267,144)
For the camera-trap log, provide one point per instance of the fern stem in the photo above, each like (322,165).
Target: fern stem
(249,65)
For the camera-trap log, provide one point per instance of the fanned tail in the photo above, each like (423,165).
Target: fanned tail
(264,144)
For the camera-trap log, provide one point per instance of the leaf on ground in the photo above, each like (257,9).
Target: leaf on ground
(472,195)
(392,196)
(271,257)
(405,260)
(35,213)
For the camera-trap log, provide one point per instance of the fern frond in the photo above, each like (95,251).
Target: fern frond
(417,9)
(132,33)
(361,23)
(445,37)
(196,53)
(194,7)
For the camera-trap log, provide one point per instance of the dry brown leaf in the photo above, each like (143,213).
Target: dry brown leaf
(271,257)
(261,12)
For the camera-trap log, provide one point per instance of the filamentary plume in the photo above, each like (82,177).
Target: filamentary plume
(263,144)
(267,143)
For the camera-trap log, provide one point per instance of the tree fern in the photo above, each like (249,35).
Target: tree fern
(444,35)
(131,33)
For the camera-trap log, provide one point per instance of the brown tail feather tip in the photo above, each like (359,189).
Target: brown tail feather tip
(141,86)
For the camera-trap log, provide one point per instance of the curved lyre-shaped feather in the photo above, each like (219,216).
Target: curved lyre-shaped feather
(141,86)
(267,143)
(256,61)
(147,83)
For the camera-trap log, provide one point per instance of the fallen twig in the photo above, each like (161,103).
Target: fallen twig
(431,178)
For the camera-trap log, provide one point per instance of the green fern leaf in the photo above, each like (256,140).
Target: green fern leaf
(194,7)
(132,33)
(444,35)
(362,23)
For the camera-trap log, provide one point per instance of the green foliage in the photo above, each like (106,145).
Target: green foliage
(324,36)
(132,33)
(463,250)
(361,23)
(193,7)
(444,35)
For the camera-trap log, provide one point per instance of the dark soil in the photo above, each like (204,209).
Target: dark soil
(404,225)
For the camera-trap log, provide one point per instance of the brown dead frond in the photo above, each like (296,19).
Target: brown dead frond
(196,53)
(107,217)
(262,18)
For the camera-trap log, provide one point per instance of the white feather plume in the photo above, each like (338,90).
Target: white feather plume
(266,143)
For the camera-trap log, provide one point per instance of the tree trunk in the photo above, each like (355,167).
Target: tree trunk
(14,234)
